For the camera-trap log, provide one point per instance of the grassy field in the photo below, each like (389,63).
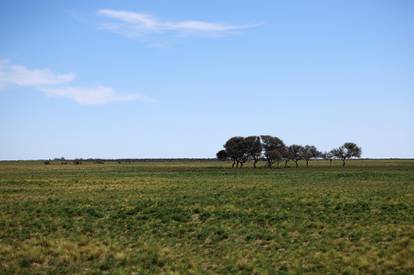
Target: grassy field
(203,217)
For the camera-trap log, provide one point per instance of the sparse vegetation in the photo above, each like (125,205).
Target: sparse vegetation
(202,217)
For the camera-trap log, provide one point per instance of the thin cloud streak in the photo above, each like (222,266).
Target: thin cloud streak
(136,23)
(96,95)
(11,74)
(53,84)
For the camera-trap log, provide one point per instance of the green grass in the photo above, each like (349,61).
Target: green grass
(203,217)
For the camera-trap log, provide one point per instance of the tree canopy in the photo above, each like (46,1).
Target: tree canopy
(347,151)
(272,149)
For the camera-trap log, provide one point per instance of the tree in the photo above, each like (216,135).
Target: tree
(286,155)
(275,156)
(254,148)
(347,151)
(236,150)
(222,155)
(328,156)
(273,149)
(295,153)
(309,152)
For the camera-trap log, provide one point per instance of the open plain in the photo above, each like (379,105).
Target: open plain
(204,217)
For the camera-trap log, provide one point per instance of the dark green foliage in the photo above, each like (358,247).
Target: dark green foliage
(254,148)
(237,150)
(222,155)
(274,149)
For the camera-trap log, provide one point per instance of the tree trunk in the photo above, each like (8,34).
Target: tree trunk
(343,163)
(234,163)
(241,164)
(330,163)
(296,162)
(307,163)
(254,163)
(269,162)
(286,161)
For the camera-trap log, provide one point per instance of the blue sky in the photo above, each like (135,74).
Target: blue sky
(177,78)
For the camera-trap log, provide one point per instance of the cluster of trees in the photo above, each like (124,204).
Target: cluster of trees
(273,150)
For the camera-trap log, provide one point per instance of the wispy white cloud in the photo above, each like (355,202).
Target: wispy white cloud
(11,74)
(135,24)
(93,95)
(54,84)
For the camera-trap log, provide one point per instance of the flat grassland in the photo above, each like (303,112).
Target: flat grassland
(204,217)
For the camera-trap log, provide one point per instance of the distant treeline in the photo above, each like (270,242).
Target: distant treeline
(123,160)
(273,150)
